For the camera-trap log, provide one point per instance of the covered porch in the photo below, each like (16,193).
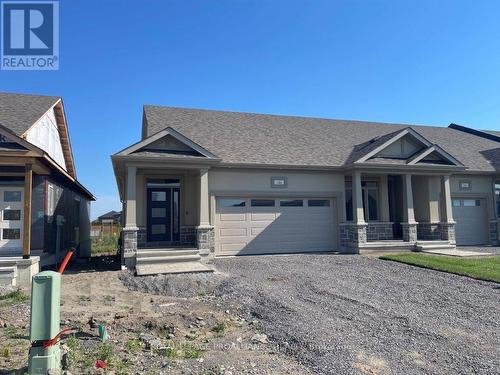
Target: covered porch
(398,210)
(166,212)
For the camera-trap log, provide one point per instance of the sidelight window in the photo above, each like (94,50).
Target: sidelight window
(370,200)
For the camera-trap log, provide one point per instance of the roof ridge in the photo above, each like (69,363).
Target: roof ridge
(292,116)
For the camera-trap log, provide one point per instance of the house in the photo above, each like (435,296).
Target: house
(226,183)
(108,223)
(44,210)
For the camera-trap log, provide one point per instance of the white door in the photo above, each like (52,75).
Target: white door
(471,221)
(269,226)
(11,219)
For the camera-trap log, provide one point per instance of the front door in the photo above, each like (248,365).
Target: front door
(163,214)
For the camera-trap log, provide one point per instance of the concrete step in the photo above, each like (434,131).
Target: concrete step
(437,242)
(171,268)
(8,276)
(386,246)
(433,245)
(155,253)
(169,259)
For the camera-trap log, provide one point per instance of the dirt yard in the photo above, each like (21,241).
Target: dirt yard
(149,334)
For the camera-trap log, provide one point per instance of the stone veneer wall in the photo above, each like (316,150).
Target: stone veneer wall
(409,232)
(493,232)
(429,231)
(205,240)
(448,232)
(351,236)
(379,231)
(129,247)
(188,235)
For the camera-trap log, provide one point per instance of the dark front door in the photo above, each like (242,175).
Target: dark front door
(163,214)
(395,187)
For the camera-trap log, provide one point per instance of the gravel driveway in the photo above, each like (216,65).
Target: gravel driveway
(340,314)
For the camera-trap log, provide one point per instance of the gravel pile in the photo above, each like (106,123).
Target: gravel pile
(181,285)
(356,315)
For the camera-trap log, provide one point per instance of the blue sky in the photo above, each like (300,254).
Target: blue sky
(427,62)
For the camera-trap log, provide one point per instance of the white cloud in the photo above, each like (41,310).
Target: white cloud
(103,204)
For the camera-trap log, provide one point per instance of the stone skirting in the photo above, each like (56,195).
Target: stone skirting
(381,231)
(352,235)
(188,235)
(129,247)
(429,231)
(448,232)
(493,232)
(409,232)
(205,241)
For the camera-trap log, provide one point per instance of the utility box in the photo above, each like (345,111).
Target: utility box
(45,322)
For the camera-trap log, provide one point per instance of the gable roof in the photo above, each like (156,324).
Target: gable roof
(18,112)
(249,138)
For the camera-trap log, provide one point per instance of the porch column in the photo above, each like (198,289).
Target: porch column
(447,223)
(129,233)
(205,232)
(410,225)
(131,216)
(384,199)
(28,184)
(358,215)
(204,199)
(353,234)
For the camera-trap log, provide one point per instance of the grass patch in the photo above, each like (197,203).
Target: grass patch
(481,268)
(220,328)
(13,298)
(134,345)
(105,245)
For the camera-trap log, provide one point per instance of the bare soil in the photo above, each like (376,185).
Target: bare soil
(194,335)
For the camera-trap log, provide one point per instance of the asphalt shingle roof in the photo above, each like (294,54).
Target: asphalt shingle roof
(249,138)
(18,112)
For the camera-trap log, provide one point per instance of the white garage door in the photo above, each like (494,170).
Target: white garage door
(269,226)
(471,221)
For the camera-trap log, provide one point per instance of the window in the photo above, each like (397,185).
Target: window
(292,203)
(225,202)
(318,203)
(497,197)
(456,202)
(370,200)
(158,196)
(176,211)
(157,182)
(158,212)
(51,200)
(262,203)
(11,234)
(11,214)
(12,196)
(471,202)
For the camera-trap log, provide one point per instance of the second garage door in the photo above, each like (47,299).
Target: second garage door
(471,221)
(247,226)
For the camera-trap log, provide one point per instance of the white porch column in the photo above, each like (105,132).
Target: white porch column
(408,200)
(358,215)
(448,210)
(204,199)
(410,225)
(131,216)
(384,199)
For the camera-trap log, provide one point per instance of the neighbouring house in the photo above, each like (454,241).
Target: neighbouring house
(44,210)
(107,224)
(203,183)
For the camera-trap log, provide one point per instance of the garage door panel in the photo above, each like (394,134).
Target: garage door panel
(470,215)
(230,232)
(275,229)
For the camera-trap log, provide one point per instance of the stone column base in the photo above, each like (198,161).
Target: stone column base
(129,247)
(448,232)
(205,242)
(409,232)
(352,236)
(493,232)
